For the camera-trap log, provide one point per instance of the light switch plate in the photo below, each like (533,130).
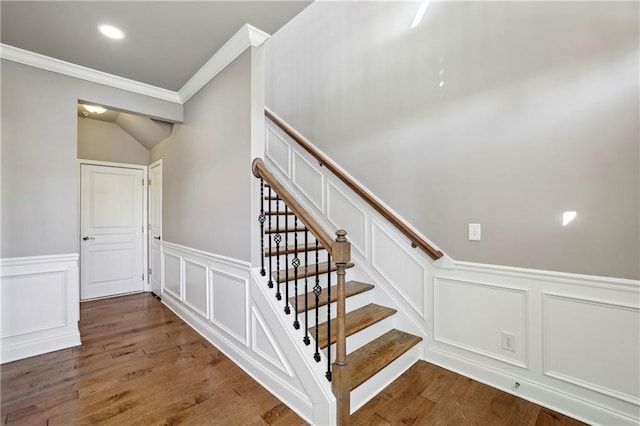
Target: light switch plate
(474,232)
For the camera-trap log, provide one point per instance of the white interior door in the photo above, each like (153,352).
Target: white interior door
(112,229)
(155,226)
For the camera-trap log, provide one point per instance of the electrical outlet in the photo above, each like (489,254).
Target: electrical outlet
(508,341)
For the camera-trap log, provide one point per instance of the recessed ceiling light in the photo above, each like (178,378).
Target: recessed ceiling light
(111,31)
(94,109)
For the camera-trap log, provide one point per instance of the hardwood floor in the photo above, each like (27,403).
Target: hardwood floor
(140,364)
(429,395)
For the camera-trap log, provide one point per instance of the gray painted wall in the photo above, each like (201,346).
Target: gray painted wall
(39,155)
(207,167)
(104,141)
(505,114)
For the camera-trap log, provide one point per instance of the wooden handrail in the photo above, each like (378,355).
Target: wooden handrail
(415,239)
(261,171)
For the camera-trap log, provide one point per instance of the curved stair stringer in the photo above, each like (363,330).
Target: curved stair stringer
(318,406)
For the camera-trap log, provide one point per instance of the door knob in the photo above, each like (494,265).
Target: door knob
(88,238)
(156,238)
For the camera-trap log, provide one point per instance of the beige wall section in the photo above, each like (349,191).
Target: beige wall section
(206,167)
(39,169)
(104,141)
(505,114)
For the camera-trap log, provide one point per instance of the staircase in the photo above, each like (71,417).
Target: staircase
(300,261)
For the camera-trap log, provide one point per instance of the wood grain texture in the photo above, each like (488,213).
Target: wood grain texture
(351,289)
(139,365)
(359,190)
(356,320)
(366,361)
(284,229)
(290,274)
(430,395)
(291,250)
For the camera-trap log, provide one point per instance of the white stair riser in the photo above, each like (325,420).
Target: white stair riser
(352,303)
(361,338)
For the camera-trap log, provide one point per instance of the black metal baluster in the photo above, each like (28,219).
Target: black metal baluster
(278,239)
(316,290)
(270,283)
(306,339)
(296,263)
(328,375)
(262,219)
(287,309)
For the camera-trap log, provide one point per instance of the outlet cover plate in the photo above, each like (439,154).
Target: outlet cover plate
(508,341)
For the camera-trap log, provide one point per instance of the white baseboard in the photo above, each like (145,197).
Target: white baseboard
(39,300)
(570,405)
(35,347)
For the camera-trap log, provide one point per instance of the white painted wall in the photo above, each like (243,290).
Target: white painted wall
(505,114)
(206,166)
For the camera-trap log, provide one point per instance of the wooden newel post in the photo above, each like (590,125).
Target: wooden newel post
(341,253)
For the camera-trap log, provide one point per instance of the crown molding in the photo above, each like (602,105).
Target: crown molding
(246,37)
(37,60)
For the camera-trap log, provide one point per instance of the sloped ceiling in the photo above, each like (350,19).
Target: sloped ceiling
(147,131)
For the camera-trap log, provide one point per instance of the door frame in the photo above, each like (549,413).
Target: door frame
(145,212)
(149,242)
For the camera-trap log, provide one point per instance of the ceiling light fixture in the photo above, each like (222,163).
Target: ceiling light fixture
(94,109)
(111,31)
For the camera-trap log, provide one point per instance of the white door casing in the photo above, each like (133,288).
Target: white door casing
(155,226)
(111,230)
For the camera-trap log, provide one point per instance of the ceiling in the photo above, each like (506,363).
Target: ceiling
(166,41)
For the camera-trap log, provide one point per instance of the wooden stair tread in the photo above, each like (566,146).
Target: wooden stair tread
(354,321)
(323,268)
(368,360)
(291,250)
(351,288)
(282,230)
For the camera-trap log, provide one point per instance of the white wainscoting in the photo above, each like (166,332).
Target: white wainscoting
(213,295)
(39,300)
(576,325)
(472,315)
(577,337)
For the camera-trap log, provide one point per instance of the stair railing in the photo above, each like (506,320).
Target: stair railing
(416,240)
(339,251)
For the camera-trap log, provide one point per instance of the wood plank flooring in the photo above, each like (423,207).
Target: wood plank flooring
(429,395)
(141,365)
